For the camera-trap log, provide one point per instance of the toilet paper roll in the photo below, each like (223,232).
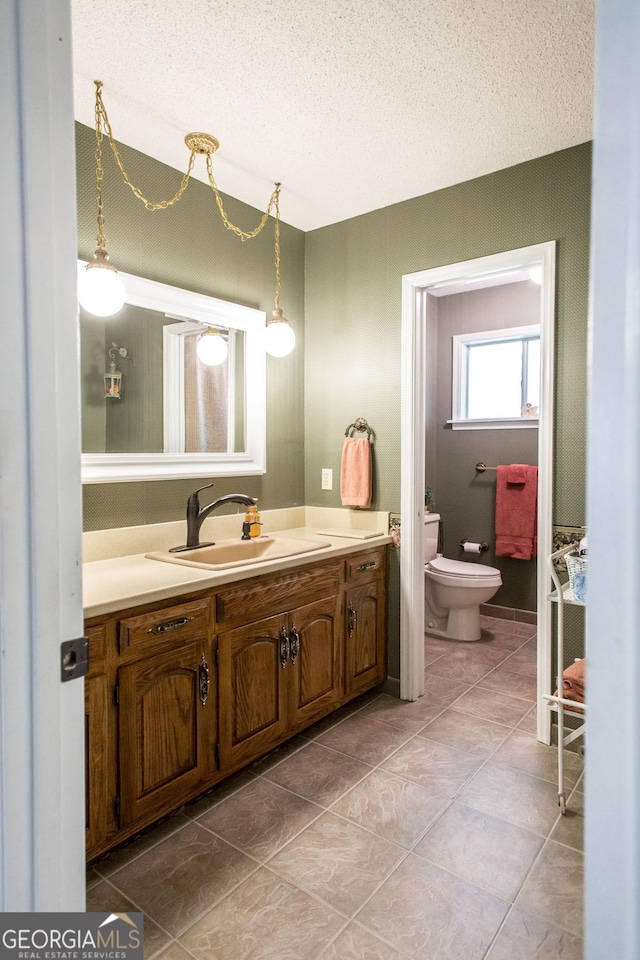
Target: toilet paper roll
(470,547)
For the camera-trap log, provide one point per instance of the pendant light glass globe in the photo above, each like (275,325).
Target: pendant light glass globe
(212,348)
(280,338)
(100,289)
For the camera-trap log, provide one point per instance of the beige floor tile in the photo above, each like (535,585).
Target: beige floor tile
(364,738)
(514,628)
(503,680)
(146,841)
(442,690)
(441,769)
(464,670)
(263,919)
(337,861)
(513,796)
(465,732)
(524,663)
(104,898)
(430,914)
(554,888)
(529,723)
(174,952)
(354,943)
(260,818)
(407,715)
(570,827)
(318,774)
(493,706)
(525,937)
(523,752)
(218,794)
(177,880)
(489,852)
(392,807)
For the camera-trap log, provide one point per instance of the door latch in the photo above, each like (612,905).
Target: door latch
(74,659)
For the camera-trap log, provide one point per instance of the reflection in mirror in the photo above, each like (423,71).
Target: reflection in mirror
(172,415)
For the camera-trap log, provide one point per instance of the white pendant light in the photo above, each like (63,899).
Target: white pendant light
(212,348)
(280,338)
(100,289)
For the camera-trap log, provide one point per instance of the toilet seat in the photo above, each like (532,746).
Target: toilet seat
(460,568)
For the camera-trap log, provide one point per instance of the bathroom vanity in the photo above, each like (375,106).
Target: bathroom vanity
(189,688)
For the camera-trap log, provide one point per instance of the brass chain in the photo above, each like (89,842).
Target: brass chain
(102,118)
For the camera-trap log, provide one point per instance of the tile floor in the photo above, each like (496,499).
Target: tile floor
(390,830)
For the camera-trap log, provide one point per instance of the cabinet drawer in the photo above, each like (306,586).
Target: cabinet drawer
(366,566)
(167,627)
(270,595)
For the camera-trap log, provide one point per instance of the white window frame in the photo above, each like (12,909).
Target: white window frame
(460,373)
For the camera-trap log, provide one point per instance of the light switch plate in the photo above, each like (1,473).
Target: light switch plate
(327,478)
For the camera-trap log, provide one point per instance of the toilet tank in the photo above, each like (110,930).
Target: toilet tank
(431,521)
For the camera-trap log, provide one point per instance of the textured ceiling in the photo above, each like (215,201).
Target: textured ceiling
(352,104)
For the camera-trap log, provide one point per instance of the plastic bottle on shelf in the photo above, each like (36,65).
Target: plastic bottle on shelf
(582,547)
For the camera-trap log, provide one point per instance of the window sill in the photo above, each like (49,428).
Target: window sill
(497,423)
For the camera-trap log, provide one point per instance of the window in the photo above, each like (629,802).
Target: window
(496,379)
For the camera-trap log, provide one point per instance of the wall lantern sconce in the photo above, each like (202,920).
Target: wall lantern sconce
(113,376)
(101,291)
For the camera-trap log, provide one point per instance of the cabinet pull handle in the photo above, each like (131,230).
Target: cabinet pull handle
(203,676)
(366,566)
(284,648)
(352,620)
(167,625)
(294,644)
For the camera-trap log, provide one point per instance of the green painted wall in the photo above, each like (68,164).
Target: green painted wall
(353,298)
(188,246)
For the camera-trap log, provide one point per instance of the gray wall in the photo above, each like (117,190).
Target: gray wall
(353,306)
(464,498)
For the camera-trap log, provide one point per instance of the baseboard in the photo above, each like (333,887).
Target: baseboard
(508,613)
(391,686)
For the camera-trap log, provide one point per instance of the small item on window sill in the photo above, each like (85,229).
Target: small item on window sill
(529,411)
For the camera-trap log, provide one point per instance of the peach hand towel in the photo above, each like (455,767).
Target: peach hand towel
(573,683)
(516,514)
(355,473)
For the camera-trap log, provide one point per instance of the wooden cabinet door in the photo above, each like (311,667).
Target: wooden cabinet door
(167,734)
(315,661)
(365,640)
(253,674)
(100,775)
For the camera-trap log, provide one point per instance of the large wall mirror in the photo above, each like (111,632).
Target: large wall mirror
(160,412)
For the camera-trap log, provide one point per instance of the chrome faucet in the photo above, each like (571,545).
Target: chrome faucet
(197,514)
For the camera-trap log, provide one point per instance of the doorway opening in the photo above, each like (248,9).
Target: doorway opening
(418,344)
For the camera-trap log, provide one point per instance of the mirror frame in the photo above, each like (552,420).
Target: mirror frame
(163,298)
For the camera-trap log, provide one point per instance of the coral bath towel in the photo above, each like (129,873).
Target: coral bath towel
(516,512)
(355,473)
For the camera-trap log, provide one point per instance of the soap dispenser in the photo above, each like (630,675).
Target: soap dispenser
(252,517)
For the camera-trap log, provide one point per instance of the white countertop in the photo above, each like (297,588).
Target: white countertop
(120,582)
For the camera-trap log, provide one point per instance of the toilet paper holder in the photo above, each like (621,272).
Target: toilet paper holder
(470,547)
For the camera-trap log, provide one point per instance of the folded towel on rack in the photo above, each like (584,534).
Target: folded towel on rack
(516,513)
(355,473)
(517,473)
(573,682)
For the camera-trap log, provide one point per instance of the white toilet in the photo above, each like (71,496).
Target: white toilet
(453,590)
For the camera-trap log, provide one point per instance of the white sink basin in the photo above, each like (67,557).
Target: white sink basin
(239,553)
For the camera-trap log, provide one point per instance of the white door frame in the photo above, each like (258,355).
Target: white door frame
(415,288)
(42,857)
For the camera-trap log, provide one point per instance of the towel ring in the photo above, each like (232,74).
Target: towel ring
(360,424)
